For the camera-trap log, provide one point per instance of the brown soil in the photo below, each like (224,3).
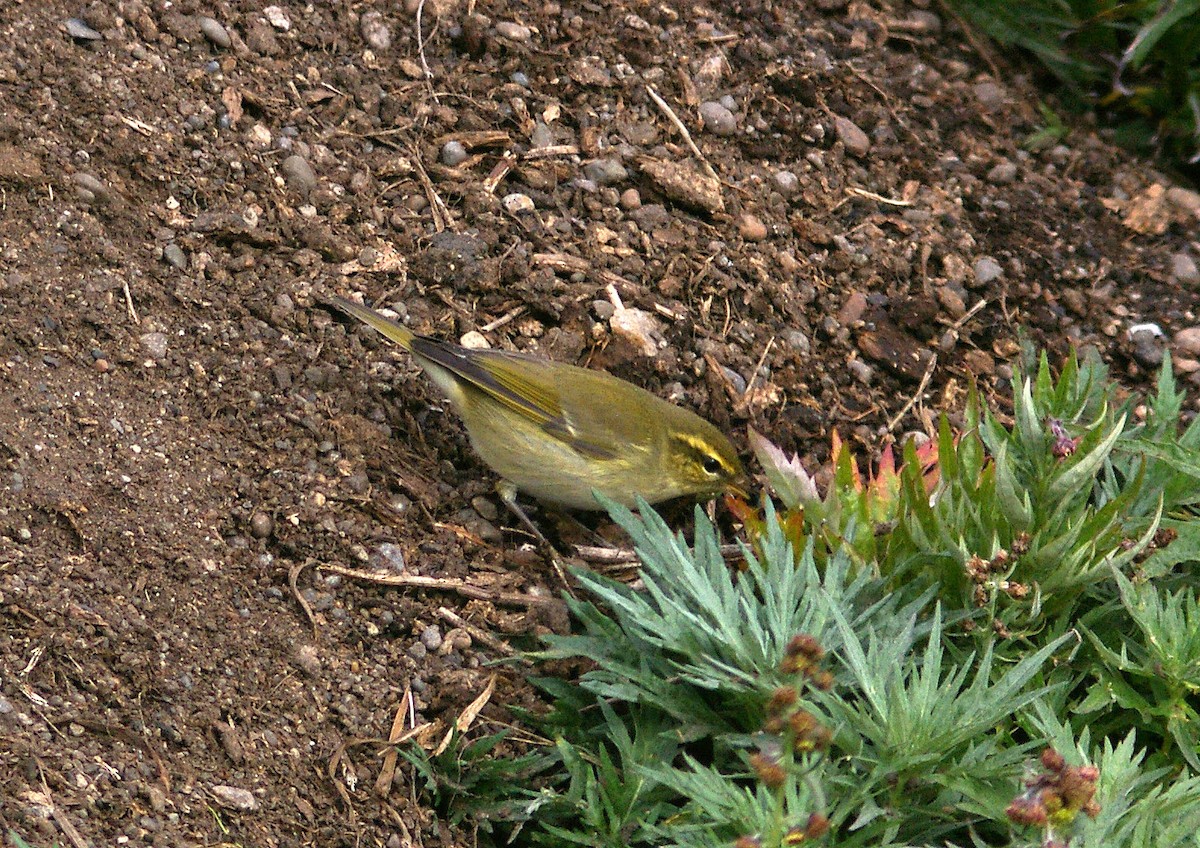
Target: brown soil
(184,427)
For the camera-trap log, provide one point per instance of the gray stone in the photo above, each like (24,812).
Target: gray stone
(1183,270)
(542,135)
(513,31)
(1002,173)
(453,154)
(375,31)
(299,174)
(155,344)
(605,172)
(235,798)
(717,119)
(214,32)
(987,269)
(175,256)
(1187,341)
(853,138)
(787,183)
(76,28)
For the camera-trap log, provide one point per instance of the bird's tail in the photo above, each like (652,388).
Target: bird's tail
(385,326)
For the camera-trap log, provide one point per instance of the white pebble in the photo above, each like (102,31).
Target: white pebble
(517,203)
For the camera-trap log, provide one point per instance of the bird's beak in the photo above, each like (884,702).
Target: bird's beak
(739,488)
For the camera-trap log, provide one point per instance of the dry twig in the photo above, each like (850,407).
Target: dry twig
(477,633)
(683,130)
(444,584)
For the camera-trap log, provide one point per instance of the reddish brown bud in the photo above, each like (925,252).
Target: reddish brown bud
(781,699)
(794,664)
(823,680)
(747,842)
(805,645)
(802,722)
(1052,760)
(769,771)
(817,826)
(1026,811)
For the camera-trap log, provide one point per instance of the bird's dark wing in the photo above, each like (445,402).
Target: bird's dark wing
(509,379)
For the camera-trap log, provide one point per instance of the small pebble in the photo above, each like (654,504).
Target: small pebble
(214,32)
(639,328)
(486,507)
(923,22)
(717,119)
(1002,173)
(174,255)
(1187,341)
(605,172)
(235,798)
(517,203)
(453,153)
(261,525)
(392,556)
(1148,347)
(299,174)
(155,344)
(76,28)
(1183,270)
(630,199)
(513,31)
(474,340)
(987,269)
(797,341)
(736,380)
(542,135)
(853,138)
(862,372)
(278,18)
(431,637)
(375,31)
(751,227)
(989,95)
(520,79)
(309,660)
(787,183)
(89,187)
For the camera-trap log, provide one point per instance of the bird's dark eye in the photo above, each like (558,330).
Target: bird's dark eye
(711,465)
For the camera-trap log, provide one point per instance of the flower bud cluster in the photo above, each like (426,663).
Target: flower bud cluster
(983,573)
(792,730)
(816,827)
(1054,798)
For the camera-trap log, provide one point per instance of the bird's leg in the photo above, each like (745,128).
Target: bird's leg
(508,494)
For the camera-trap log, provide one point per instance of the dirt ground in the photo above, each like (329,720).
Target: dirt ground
(188,438)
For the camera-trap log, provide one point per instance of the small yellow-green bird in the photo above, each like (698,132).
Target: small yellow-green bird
(559,432)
